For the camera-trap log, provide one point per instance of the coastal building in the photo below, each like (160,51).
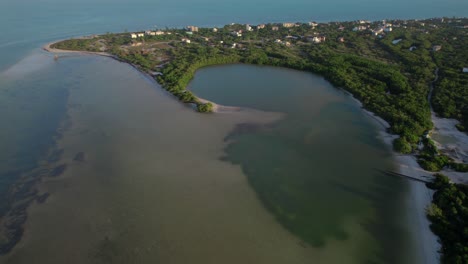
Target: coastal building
(237,33)
(248,27)
(133,36)
(291,37)
(341,28)
(215,30)
(316,39)
(275,28)
(377,31)
(436,47)
(154,33)
(261,26)
(359,28)
(313,24)
(192,28)
(185,40)
(140,35)
(286,43)
(288,25)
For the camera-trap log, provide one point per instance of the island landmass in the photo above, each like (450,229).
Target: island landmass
(404,71)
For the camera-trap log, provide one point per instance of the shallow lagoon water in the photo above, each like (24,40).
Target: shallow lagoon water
(158,182)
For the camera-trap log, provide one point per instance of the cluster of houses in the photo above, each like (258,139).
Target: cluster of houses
(385,27)
(148,33)
(286,43)
(317,39)
(192,28)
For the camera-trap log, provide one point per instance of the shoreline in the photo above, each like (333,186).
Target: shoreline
(217,108)
(47,47)
(419,196)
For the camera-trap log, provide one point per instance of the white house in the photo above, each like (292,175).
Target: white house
(134,36)
(316,39)
(359,28)
(377,31)
(248,27)
(313,24)
(215,30)
(237,33)
(186,40)
(140,35)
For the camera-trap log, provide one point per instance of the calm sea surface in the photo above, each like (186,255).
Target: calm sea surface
(160,182)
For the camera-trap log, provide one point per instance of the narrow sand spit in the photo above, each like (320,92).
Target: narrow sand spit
(217,108)
(48,48)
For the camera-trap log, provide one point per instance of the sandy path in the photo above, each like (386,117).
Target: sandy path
(449,140)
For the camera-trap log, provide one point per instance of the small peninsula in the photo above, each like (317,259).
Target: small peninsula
(404,71)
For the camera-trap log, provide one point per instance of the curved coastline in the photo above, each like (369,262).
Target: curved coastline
(419,197)
(217,108)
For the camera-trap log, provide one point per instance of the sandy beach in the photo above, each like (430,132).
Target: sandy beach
(48,47)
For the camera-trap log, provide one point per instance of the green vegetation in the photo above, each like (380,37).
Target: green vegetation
(205,108)
(448,214)
(430,159)
(402,146)
(451,90)
(392,80)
